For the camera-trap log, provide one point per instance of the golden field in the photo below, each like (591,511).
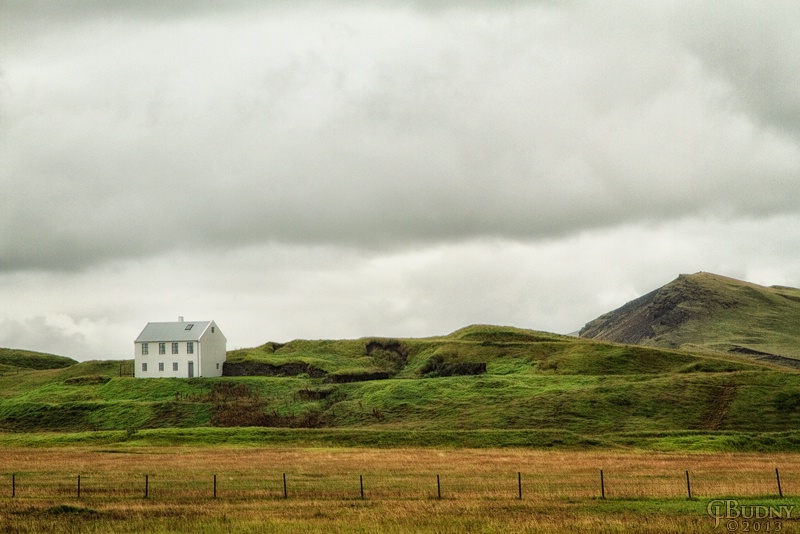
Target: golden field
(644,491)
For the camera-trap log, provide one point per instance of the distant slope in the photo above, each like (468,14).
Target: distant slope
(16,359)
(708,311)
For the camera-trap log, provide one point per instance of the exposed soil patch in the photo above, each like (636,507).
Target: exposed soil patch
(392,352)
(343,378)
(437,366)
(268,369)
(315,394)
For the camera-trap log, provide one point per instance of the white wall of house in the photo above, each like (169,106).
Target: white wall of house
(173,363)
(211,356)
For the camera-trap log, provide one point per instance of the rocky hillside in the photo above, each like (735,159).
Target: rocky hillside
(712,312)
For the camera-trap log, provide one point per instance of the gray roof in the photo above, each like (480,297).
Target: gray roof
(176,331)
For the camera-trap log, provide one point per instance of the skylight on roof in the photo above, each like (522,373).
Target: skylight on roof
(189,326)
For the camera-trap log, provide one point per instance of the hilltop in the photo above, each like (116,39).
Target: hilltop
(16,360)
(705,311)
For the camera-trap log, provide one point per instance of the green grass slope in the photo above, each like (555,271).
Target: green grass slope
(16,360)
(710,312)
(481,385)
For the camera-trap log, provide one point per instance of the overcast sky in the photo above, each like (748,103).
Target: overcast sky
(333,169)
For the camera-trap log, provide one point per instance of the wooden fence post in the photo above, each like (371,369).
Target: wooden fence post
(602,486)
(146,486)
(688,485)
(438,488)
(361,483)
(778,477)
(215,485)
(285,494)
(519,483)
(79,486)
(13,484)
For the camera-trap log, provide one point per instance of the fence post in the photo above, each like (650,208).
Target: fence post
(438,488)
(688,485)
(602,486)
(778,477)
(215,485)
(519,483)
(13,484)
(146,486)
(285,494)
(79,486)
(361,482)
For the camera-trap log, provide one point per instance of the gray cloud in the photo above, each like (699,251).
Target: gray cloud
(386,126)
(753,47)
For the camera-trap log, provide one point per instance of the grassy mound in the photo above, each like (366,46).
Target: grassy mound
(13,360)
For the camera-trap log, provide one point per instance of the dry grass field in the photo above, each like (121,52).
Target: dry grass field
(561,492)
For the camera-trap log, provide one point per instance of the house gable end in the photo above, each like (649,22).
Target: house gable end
(212,330)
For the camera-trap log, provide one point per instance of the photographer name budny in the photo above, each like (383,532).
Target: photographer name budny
(731,510)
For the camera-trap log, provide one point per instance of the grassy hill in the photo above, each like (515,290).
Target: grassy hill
(15,360)
(479,386)
(709,312)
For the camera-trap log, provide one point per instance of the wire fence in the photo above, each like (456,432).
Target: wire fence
(254,484)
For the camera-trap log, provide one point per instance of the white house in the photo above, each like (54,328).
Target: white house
(182,349)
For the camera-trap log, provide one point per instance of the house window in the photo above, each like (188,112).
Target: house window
(174,348)
(217,366)
(145,349)
(144,367)
(162,348)
(174,366)
(213,329)
(160,366)
(189,326)
(189,347)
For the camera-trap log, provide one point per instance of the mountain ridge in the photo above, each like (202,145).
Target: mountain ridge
(707,311)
